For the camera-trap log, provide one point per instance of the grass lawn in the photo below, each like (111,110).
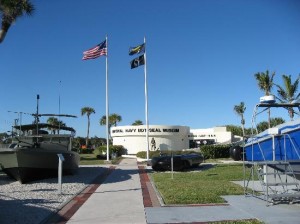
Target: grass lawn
(239,222)
(91,159)
(199,187)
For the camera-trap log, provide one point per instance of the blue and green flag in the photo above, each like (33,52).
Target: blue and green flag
(137,50)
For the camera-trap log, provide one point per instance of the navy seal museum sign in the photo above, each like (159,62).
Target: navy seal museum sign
(143,130)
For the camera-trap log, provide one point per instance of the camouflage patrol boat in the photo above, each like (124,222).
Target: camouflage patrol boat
(34,155)
(34,152)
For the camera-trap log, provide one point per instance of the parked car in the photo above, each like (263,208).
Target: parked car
(180,162)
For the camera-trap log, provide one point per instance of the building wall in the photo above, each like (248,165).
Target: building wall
(133,138)
(218,134)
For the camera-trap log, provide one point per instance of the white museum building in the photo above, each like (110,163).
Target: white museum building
(166,137)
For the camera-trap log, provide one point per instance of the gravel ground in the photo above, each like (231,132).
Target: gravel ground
(36,201)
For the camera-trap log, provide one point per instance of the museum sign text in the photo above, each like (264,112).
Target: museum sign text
(140,130)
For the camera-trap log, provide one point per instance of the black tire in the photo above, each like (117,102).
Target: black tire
(236,153)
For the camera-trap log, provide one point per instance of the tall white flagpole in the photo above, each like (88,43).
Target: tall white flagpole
(59,84)
(146,102)
(107,120)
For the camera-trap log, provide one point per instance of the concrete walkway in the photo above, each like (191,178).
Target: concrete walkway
(117,200)
(125,196)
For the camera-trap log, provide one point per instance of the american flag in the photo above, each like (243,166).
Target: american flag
(95,52)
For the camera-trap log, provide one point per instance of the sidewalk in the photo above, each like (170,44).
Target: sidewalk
(117,200)
(125,195)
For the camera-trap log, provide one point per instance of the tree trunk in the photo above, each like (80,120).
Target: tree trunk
(88,133)
(2,35)
(4,28)
(291,113)
(243,125)
(269,117)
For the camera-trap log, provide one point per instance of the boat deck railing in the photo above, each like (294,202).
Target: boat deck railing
(294,146)
(285,137)
(4,146)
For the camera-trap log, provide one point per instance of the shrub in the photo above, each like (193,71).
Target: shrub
(208,151)
(85,150)
(116,150)
(215,151)
(143,154)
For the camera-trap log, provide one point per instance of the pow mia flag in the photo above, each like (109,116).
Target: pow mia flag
(137,62)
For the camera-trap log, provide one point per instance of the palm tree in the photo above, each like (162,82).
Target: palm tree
(55,122)
(113,119)
(240,110)
(60,124)
(103,121)
(52,121)
(287,93)
(88,111)
(265,83)
(10,10)
(276,121)
(264,125)
(137,122)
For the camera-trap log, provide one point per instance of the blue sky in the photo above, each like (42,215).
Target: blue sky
(201,59)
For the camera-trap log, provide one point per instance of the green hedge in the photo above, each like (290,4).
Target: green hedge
(85,151)
(215,151)
(208,151)
(143,154)
(117,150)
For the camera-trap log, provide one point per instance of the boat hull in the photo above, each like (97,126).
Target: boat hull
(284,145)
(29,164)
